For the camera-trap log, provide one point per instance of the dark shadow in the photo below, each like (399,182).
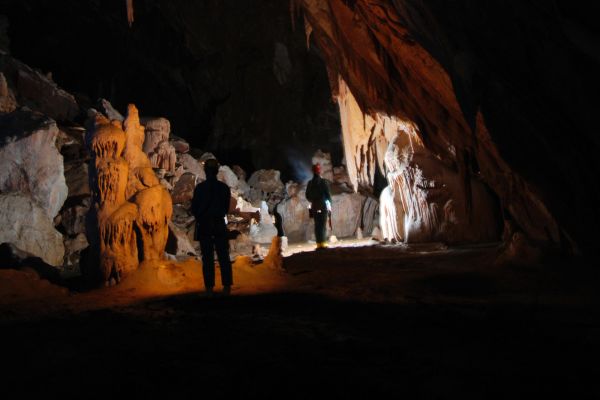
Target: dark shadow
(295,345)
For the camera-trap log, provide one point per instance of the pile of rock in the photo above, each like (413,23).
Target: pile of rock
(45,195)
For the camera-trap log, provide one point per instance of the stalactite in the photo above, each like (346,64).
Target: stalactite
(129,5)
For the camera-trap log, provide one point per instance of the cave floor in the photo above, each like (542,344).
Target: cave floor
(420,321)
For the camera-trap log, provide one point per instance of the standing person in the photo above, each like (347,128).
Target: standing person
(210,205)
(317,192)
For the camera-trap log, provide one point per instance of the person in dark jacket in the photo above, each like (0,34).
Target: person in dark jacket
(317,192)
(210,205)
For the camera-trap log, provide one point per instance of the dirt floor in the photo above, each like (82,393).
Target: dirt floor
(359,319)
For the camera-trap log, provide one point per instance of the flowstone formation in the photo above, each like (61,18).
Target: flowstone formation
(128,221)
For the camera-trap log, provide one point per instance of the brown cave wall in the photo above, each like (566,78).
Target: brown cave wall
(498,93)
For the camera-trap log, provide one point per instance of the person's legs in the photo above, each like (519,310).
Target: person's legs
(222,247)
(320,228)
(208,261)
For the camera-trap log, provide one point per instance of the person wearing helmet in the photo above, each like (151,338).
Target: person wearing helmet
(317,192)
(210,205)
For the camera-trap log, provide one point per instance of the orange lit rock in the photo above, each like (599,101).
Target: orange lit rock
(155,211)
(130,205)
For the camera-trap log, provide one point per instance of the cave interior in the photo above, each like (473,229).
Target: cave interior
(460,143)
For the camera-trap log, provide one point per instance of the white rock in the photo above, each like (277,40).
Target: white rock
(190,164)
(264,231)
(266,180)
(227,176)
(29,160)
(29,228)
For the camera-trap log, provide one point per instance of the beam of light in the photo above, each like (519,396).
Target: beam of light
(301,165)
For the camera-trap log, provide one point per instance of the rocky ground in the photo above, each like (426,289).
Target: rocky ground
(423,321)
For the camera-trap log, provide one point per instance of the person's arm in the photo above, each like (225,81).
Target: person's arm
(196,199)
(226,199)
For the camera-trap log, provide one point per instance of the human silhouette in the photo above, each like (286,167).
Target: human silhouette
(210,205)
(317,192)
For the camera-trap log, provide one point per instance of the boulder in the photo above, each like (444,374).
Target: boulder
(190,164)
(77,179)
(38,91)
(227,176)
(107,109)
(324,159)
(239,172)
(346,213)
(180,145)
(72,220)
(28,227)
(294,213)
(73,248)
(184,188)
(179,243)
(266,180)
(29,160)
(370,215)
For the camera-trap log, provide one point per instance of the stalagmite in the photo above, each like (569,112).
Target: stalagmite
(130,205)
(155,211)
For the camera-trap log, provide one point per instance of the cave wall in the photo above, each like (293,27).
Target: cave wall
(498,91)
(231,76)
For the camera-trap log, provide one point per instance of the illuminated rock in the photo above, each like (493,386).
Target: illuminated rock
(29,160)
(27,226)
(370,215)
(265,185)
(227,176)
(184,188)
(324,159)
(118,246)
(294,213)
(157,131)
(264,231)
(346,213)
(107,109)
(180,145)
(390,57)
(156,144)
(155,211)
(179,243)
(190,164)
(130,206)
(390,223)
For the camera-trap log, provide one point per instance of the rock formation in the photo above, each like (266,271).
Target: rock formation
(130,205)
(263,231)
(26,225)
(35,90)
(29,160)
(485,115)
(157,146)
